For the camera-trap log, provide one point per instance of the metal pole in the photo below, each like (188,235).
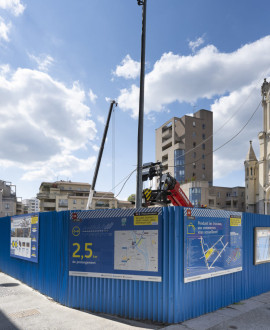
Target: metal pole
(141,109)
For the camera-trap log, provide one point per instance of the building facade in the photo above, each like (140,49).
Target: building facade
(185,147)
(214,197)
(31,205)
(67,195)
(8,199)
(257,172)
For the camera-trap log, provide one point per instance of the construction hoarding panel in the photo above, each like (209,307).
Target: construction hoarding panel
(24,231)
(119,244)
(213,243)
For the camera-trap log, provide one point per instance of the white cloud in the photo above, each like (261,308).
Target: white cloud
(128,69)
(206,74)
(4,30)
(95,147)
(14,6)
(236,109)
(60,165)
(193,45)
(43,61)
(92,96)
(101,119)
(42,123)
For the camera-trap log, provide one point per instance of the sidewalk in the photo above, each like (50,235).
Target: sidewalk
(23,308)
(253,313)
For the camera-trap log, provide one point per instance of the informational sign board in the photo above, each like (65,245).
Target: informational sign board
(212,243)
(120,244)
(24,237)
(261,245)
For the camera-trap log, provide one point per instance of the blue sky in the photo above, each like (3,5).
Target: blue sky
(61,61)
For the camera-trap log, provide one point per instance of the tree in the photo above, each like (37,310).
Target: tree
(131,198)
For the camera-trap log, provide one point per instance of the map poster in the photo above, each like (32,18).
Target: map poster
(212,243)
(24,237)
(261,245)
(119,244)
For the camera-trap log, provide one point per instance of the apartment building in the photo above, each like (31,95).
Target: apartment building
(184,146)
(31,205)
(67,195)
(214,197)
(8,200)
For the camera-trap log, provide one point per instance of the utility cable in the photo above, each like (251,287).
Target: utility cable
(227,121)
(228,141)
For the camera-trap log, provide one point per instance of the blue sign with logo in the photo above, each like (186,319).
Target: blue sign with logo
(213,243)
(120,244)
(24,231)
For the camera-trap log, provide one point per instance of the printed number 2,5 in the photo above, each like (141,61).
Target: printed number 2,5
(86,249)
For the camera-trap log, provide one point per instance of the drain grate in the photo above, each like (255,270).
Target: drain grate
(29,312)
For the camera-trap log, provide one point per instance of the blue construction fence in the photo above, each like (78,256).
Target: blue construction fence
(169,301)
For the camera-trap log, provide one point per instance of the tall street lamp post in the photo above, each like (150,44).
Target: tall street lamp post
(141,108)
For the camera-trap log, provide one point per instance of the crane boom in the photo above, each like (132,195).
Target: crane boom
(92,188)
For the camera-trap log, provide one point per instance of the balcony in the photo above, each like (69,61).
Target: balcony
(168,145)
(48,205)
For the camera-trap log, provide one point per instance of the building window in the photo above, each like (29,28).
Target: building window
(194,134)
(6,206)
(247,171)
(194,124)
(102,204)
(179,165)
(218,194)
(203,146)
(203,126)
(203,166)
(195,196)
(194,154)
(63,202)
(251,171)
(82,201)
(194,165)
(203,176)
(203,136)
(74,201)
(194,144)
(203,156)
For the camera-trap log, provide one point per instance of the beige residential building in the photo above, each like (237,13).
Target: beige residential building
(67,195)
(185,147)
(213,197)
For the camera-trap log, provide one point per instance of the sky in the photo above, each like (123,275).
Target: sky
(62,62)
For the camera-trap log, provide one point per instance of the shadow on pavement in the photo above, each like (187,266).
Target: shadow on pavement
(5,323)
(6,285)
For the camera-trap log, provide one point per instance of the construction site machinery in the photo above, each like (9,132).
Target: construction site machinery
(169,190)
(92,188)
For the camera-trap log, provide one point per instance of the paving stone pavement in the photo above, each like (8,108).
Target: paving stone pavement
(23,308)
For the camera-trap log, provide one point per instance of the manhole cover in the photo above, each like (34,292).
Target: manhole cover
(21,314)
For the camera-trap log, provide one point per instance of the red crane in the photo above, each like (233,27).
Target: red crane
(169,189)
